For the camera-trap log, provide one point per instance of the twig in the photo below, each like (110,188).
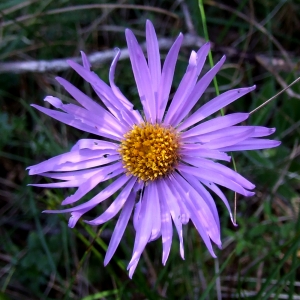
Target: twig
(57,65)
(187,18)
(265,62)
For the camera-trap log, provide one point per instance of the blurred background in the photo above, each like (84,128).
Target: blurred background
(40,257)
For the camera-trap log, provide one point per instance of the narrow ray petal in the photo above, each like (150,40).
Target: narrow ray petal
(213,106)
(229,140)
(120,228)
(197,92)
(156,217)
(136,215)
(93,144)
(210,222)
(76,123)
(90,183)
(169,195)
(205,195)
(220,169)
(103,195)
(115,207)
(184,89)
(198,150)
(145,227)
(216,124)
(216,189)
(52,164)
(87,163)
(213,176)
(82,98)
(153,56)
(133,267)
(104,92)
(252,144)
(258,131)
(167,77)
(79,175)
(142,76)
(85,61)
(113,86)
(194,217)
(166,228)
(104,121)
(201,56)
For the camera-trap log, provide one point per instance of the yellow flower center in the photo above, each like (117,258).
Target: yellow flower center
(149,151)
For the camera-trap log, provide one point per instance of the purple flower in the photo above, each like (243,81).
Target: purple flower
(162,160)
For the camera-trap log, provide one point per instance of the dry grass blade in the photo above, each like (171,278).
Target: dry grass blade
(88,7)
(272,98)
(257,25)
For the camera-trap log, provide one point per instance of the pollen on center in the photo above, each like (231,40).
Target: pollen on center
(150,151)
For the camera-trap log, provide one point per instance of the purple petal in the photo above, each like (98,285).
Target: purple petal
(201,57)
(167,77)
(76,175)
(144,229)
(94,180)
(64,184)
(184,89)
(115,207)
(213,106)
(104,92)
(205,195)
(197,92)
(120,228)
(213,176)
(86,164)
(216,124)
(142,76)
(133,267)
(166,229)
(216,189)
(76,123)
(184,213)
(128,114)
(85,61)
(228,140)
(104,121)
(252,144)
(93,144)
(153,56)
(206,217)
(197,150)
(171,196)
(220,169)
(258,131)
(137,211)
(82,98)
(69,157)
(156,218)
(103,195)
(75,216)
(176,182)
(113,86)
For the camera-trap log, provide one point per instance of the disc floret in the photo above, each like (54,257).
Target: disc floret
(150,151)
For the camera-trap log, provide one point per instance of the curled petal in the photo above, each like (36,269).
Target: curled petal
(120,228)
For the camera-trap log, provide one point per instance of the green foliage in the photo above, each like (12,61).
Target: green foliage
(41,258)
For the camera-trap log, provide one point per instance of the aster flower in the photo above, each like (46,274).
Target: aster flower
(162,160)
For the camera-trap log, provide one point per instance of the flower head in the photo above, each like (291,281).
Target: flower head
(163,161)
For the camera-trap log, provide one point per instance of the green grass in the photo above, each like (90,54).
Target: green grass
(41,258)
